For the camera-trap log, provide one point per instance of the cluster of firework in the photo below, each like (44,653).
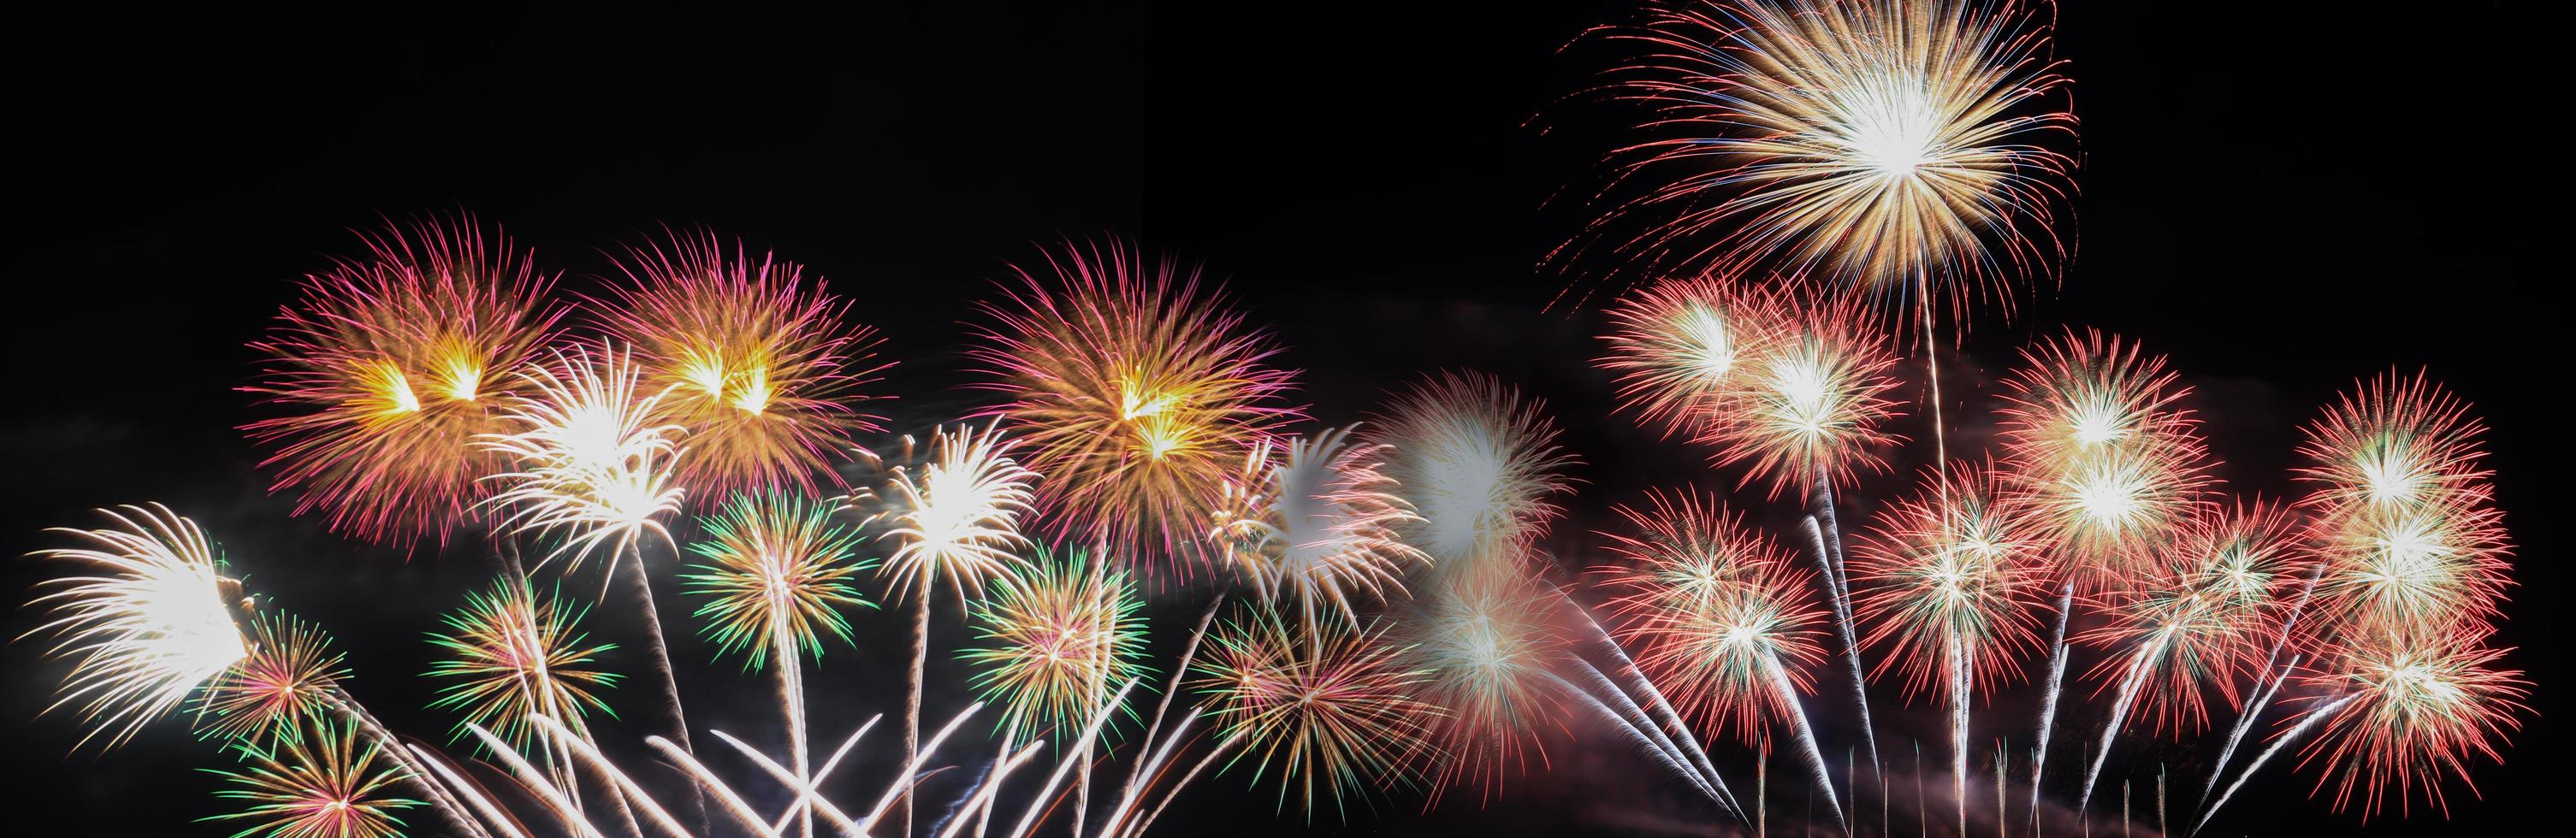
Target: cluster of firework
(1389,620)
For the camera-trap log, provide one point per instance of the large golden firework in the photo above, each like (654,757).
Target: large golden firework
(762,367)
(389,369)
(1135,392)
(1880,143)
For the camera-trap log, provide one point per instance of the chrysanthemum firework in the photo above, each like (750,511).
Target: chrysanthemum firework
(2424,569)
(2397,442)
(1876,143)
(1683,548)
(2093,431)
(1056,639)
(1329,710)
(147,629)
(316,782)
(288,675)
(779,572)
(1959,570)
(1718,612)
(1687,351)
(1489,645)
(512,653)
(1316,522)
(388,370)
(762,367)
(593,465)
(2408,711)
(957,518)
(1816,397)
(1136,393)
(1477,461)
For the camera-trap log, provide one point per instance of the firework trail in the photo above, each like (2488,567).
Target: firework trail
(760,366)
(780,570)
(2196,620)
(387,369)
(1324,523)
(1477,462)
(316,782)
(1134,392)
(958,520)
(1637,680)
(1788,696)
(148,630)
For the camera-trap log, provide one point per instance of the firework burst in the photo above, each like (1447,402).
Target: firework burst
(778,574)
(1490,646)
(2416,711)
(2093,431)
(1058,637)
(1477,462)
(1687,350)
(390,368)
(759,366)
(1135,394)
(958,519)
(320,782)
(148,629)
(1332,711)
(511,655)
(1815,401)
(1712,604)
(1323,524)
(1874,143)
(2398,443)
(593,464)
(1955,580)
(288,675)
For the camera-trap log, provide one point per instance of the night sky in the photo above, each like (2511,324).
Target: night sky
(2281,204)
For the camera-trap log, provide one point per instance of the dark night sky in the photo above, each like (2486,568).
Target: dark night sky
(2281,202)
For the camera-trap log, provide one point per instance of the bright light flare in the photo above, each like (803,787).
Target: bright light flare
(958,516)
(147,629)
(593,464)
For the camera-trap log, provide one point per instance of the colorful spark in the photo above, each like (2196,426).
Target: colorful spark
(510,655)
(1056,638)
(779,573)
(288,675)
(1331,711)
(320,782)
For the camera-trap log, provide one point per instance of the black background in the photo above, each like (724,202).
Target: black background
(2282,202)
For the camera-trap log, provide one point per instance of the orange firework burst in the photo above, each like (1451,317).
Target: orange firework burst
(1134,393)
(761,367)
(1718,610)
(1329,709)
(1320,522)
(1873,143)
(389,368)
(2411,711)
(288,675)
(1687,350)
(2094,433)
(1815,400)
(1477,461)
(1958,570)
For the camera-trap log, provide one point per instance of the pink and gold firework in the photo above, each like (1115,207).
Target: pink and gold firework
(761,367)
(1717,610)
(2200,619)
(390,368)
(1135,392)
(316,782)
(1329,709)
(2412,711)
(1875,143)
